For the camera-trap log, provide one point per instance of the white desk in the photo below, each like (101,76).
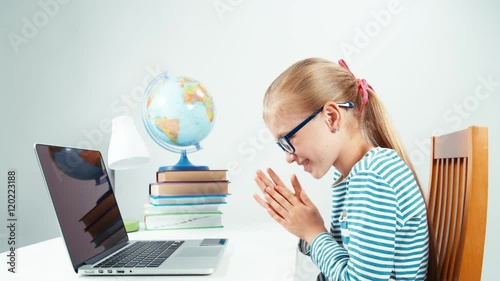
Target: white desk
(260,252)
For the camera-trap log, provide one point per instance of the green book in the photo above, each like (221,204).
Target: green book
(183,220)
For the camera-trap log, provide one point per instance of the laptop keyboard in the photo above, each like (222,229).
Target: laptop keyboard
(142,254)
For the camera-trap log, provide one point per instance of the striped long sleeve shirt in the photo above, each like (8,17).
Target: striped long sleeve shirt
(379,224)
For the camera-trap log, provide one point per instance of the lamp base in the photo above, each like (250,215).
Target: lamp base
(131,225)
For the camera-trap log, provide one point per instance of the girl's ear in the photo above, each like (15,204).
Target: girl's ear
(332,116)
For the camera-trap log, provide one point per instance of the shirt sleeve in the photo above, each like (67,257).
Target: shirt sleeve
(304,248)
(369,234)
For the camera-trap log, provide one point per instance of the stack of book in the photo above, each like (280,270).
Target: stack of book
(181,199)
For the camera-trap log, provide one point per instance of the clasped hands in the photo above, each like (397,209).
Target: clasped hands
(293,210)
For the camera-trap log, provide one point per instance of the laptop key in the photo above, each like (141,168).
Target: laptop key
(142,254)
(167,253)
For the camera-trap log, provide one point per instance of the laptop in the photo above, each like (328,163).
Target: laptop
(93,229)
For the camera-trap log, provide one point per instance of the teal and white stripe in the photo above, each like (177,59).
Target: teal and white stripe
(385,235)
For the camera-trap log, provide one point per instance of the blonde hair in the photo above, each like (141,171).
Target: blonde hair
(310,83)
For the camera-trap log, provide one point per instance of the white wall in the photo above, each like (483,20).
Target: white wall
(82,63)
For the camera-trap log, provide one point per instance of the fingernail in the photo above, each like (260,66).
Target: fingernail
(268,189)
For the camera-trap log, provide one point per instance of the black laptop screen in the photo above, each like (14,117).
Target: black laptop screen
(83,200)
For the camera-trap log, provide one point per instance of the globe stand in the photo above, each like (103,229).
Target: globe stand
(183,164)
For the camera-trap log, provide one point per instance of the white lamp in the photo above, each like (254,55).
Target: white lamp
(126,150)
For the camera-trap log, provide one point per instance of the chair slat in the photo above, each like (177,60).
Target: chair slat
(450,214)
(433,191)
(439,208)
(455,209)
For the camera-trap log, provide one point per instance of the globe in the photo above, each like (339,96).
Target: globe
(178,113)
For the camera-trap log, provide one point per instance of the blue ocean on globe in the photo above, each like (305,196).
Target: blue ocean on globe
(178,112)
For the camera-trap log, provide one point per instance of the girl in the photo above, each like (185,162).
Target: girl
(322,116)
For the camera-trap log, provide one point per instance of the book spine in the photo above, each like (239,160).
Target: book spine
(202,175)
(179,215)
(159,209)
(188,188)
(172,221)
(155,202)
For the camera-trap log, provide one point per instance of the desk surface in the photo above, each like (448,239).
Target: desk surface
(261,252)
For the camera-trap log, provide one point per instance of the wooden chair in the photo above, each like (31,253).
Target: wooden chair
(457,203)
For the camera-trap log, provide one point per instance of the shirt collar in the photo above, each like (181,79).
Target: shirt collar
(354,170)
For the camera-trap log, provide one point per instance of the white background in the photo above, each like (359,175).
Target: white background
(68,67)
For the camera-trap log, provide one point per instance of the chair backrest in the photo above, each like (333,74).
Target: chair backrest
(457,202)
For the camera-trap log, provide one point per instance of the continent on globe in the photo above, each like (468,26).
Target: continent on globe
(178,113)
(195,92)
(170,127)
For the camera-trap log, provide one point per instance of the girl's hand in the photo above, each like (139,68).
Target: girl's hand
(294,211)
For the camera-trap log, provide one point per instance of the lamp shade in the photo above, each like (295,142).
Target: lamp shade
(126,149)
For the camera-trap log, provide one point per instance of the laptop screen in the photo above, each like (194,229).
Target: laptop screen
(83,200)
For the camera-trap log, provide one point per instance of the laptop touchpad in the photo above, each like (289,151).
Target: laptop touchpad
(198,252)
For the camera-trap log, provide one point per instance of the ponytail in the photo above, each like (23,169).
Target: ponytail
(379,130)
(374,122)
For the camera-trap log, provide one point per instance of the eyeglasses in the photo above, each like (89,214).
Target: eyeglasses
(284,141)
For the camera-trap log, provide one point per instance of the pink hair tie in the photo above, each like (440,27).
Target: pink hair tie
(362,85)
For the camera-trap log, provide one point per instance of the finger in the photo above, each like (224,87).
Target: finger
(276,206)
(261,201)
(264,178)
(276,179)
(282,196)
(264,204)
(305,199)
(297,187)
(275,200)
(261,184)
(277,217)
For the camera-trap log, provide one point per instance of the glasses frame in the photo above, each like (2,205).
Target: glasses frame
(284,141)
